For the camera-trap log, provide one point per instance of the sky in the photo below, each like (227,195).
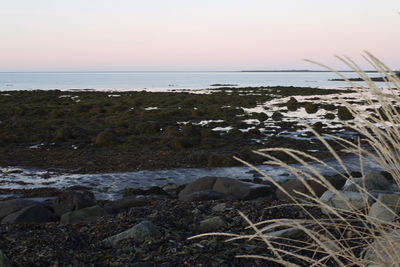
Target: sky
(101,35)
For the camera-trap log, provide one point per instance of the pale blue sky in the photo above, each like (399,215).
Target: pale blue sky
(193,35)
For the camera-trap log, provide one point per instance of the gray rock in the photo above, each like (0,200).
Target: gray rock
(386,208)
(201,184)
(345,201)
(372,181)
(241,190)
(73,200)
(32,214)
(384,251)
(290,233)
(170,188)
(142,231)
(225,188)
(294,185)
(4,261)
(211,224)
(221,207)
(86,214)
(352,185)
(205,195)
(10,206)
(375,181)
(154,190)
(127,203)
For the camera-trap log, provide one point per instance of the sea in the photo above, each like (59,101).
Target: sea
(165,80)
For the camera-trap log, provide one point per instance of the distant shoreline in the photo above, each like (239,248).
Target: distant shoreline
(172,71)
(368,71)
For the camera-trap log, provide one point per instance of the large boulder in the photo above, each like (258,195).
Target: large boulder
(32,214)
(127,203)
(205,195)
(345,201)
(201,184)
(208,188)
(155,190)
(73,200)
(86,214)
(292,186)
(10,206)
(241,190)
(375,181)
(142,231)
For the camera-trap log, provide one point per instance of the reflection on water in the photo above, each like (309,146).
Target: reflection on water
(163,80)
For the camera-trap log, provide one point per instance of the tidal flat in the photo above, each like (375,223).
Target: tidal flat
(92,132)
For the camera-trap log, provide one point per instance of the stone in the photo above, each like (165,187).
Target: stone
(170,188)
(277,116)
(311,108)
(345,201)
(73,200)
(386,207)
(344,113)
(290,233)
(212,224)
(241,190)
(126,203)
(154,190)
(4,261)
(86,214)
(31,214)
(201,184)
(10,206)
(293,185)
(384,251)
(372,181)
(352,185)
(142,231)
(208,188)
(221,207)
(292,104)
(205,195)
(375,181)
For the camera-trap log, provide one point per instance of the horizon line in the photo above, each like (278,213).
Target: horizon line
(129,71)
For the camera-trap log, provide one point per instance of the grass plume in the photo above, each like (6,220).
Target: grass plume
(350,236)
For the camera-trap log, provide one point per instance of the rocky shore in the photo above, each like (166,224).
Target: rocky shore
(151,227)
(145,228)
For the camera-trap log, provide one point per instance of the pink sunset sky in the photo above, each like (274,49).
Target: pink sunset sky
(84,35)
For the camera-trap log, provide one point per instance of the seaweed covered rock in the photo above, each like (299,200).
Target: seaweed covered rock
(311,108)
(105,138)
(344,113)
(277,116)
(329,116)
(292,104)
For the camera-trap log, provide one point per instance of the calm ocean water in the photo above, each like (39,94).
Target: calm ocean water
(161,80)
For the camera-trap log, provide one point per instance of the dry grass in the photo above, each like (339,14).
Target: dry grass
(343,237)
